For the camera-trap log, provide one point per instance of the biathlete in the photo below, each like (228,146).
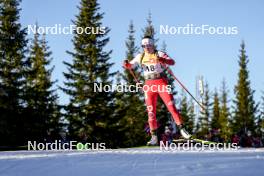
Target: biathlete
(153,62)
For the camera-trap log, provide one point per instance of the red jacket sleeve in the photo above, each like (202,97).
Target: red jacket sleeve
(166,59)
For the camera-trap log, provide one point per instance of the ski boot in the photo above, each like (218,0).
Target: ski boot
(185,134)
(154,139)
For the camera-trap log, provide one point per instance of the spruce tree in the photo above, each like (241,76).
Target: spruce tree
(191,120)
(149,29)
(163,116)
(187,112)
(12,64)
(131,104)
(226,130)
(215,122)
(260,118)
(168,75)
(90,112)
(204,119)
(164,46)
(245,108)
(41,98)
(163,110)
(131,52)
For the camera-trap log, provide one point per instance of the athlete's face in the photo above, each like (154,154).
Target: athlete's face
(148,48)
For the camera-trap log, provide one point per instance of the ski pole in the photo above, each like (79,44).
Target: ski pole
(134,76)
(172,74)
(135,79)
(132,73)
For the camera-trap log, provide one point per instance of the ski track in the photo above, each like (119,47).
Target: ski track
(132,162)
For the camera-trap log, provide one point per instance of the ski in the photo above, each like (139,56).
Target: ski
(195,140)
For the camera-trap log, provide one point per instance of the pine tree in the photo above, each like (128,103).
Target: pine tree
(215,122)
(12,63)
(245,108)
(226,131)
(89,111)
(41,97)
(204,119)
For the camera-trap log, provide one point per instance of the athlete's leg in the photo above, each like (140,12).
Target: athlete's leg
(151,102)
(169,102)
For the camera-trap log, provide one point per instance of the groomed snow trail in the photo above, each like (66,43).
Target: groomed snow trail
(133,162)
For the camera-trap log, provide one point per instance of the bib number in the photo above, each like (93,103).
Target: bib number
(150,68)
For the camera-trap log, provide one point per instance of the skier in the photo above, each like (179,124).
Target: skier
(152,62)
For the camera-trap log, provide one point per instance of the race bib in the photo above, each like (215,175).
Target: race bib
(151,68)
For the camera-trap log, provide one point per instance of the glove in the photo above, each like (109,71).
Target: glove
(166,61)
(127,65)
(162,60)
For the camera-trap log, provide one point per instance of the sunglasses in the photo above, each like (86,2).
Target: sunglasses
(146,46)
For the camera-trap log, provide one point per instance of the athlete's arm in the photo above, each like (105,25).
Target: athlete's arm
(133,63)
(164,58)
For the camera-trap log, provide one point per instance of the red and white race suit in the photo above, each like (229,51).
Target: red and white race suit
(152,66)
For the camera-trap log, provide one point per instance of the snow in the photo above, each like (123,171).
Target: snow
(133,161)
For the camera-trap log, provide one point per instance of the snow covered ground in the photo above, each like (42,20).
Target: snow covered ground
(132,162)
